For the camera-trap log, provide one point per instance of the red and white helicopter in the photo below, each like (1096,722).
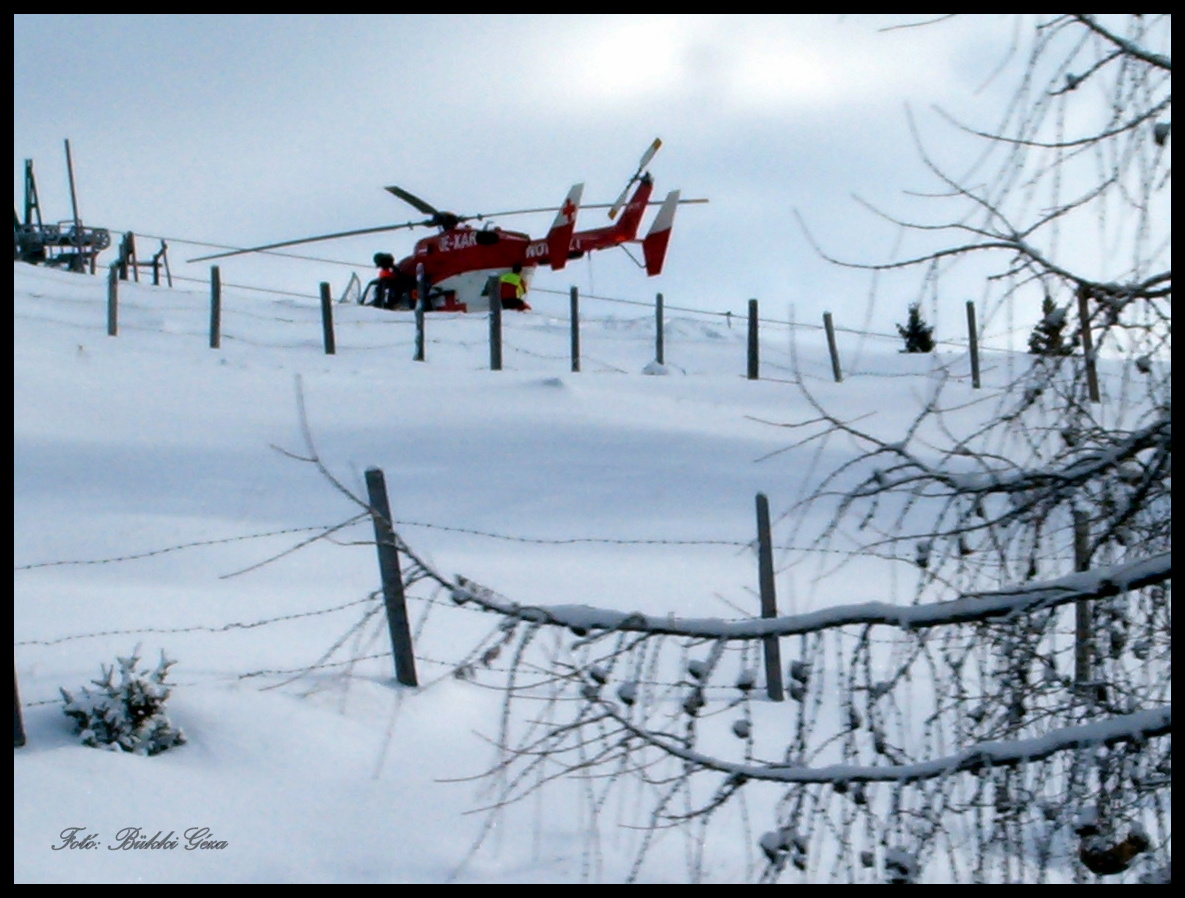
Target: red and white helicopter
(455,267)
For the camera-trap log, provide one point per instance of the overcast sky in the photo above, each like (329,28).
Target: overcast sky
(244,130)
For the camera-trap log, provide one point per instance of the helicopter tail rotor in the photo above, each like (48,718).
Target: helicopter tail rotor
(645,160)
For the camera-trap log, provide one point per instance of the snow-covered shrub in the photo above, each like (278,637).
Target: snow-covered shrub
(917,334)
(1048,338)
(127,710)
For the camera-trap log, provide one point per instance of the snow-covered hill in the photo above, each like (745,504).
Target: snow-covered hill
(164,497)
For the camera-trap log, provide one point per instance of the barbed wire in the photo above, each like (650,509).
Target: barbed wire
(574,540)
(197,544)
(325,531)
(199,628)
(791,324)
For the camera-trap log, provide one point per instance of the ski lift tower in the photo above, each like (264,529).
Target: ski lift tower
(66,244)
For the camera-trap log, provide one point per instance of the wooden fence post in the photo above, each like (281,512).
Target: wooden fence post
(831,347)
(495,326)
(18,723)
(753,340)
(1092,374)
(769,600)
(161,256)
(1083,642)
(215,307)
(420,318)
(658,339)
(973,342)
(327,320)
(393,596)
(574,314)
(127,256)
(113,301)
(421,306)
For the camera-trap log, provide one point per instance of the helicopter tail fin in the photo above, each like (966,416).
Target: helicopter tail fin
(559,238)
(654,245)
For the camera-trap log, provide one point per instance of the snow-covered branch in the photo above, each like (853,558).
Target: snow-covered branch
(1137,727)
(980,606)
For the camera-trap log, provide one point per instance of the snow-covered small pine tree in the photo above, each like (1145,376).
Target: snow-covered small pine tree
(918,335)
(1048,337)
(128,713)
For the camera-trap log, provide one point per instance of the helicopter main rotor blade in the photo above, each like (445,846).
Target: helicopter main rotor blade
(650,203)
(486,215)
(413,200)
(283,243)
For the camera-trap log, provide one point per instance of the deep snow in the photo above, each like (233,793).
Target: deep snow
(153,476)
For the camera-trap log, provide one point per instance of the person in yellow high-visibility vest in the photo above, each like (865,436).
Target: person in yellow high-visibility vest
(512,288)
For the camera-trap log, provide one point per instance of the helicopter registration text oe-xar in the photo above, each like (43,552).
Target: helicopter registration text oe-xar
(453,268)
(456,240)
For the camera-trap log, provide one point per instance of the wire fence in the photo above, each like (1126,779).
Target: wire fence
(772,349)
(896,758)
(1002,341)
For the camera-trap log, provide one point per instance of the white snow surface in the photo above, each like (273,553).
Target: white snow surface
(154,475)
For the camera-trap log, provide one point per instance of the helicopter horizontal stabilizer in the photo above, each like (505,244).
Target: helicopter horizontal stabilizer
(559,238)
(654,245)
